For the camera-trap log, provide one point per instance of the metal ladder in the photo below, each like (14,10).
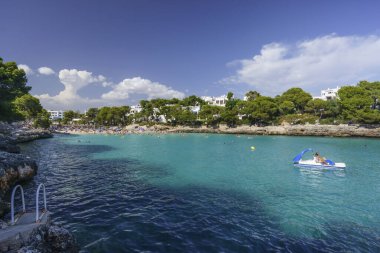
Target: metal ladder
(38,217)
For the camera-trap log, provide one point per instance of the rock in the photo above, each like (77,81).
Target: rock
(28,249)
(51,238)
(7,145)
(292,130)
(3,224)
(25,135)
(5,128)
(14,168)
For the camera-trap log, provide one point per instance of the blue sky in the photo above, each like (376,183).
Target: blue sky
(97,53)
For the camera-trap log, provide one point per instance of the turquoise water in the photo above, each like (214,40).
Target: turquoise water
(172,192)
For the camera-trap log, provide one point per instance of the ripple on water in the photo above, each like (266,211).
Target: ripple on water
(129,204)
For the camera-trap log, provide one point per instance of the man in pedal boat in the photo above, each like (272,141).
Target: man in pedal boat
(319,159)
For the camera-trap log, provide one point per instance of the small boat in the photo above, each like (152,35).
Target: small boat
(298,162)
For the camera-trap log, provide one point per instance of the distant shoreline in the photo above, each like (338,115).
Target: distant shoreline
(287,130)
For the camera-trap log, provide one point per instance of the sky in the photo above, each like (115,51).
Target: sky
(81,54)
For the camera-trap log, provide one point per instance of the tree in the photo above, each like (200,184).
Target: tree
(12,81)
(287,107)
(186,117)
(298,96)
(211,114)
(317,106)
(231,102)
(230,117)
(102,116)
(147,109)
(27,106)
(68,116)
(373,89)
(356,104)
(113,116)
(12,84)
(264,110)
(91,114)
(192,101)
(42,119)
(252,95)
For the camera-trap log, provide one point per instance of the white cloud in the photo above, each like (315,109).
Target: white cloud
(138,85)
(46,71)
(322,62)
(68,98)
(74,80)
(26,68)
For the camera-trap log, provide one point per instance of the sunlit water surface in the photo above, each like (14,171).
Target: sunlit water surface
(210,193)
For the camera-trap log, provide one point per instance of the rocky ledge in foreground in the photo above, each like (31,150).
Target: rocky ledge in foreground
(43,237)
(14,168)
(50,238)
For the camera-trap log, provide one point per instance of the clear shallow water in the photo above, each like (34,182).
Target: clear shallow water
(210,193)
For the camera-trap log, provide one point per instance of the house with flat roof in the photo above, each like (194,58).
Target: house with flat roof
(218,101)
(54,115)
(328,94)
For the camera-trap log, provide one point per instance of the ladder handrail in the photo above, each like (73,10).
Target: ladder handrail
(12,202)
(37,198)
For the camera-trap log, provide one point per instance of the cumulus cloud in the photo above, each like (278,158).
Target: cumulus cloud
(138,85)
(46,71)
(73,80)
(317,63)
(26,68)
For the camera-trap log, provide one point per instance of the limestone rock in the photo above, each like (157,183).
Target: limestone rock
(3,224)
(292,130)
(7,145)
(28,250)
(25,135)
(52,238)
(14,168)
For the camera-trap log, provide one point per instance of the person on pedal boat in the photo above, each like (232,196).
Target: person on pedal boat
(319,159)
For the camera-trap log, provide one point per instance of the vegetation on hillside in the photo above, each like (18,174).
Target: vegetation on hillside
(356,104)
(15,101)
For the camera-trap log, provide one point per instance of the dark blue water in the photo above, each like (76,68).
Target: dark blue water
(201,193)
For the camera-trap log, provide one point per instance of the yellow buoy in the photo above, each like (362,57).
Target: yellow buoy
(253,148)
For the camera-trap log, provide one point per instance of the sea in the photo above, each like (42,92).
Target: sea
(209,192)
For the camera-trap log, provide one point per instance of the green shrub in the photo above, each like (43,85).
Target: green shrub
(302,119)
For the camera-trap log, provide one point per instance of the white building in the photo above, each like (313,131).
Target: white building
(328,94)
(135,109)
(219,101)
(194,109)
(54,115)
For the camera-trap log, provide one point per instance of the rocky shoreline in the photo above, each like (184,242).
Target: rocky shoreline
(372,131)
(292,130)
(16,168)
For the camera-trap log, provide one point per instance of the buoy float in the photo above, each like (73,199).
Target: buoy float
(253,148)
